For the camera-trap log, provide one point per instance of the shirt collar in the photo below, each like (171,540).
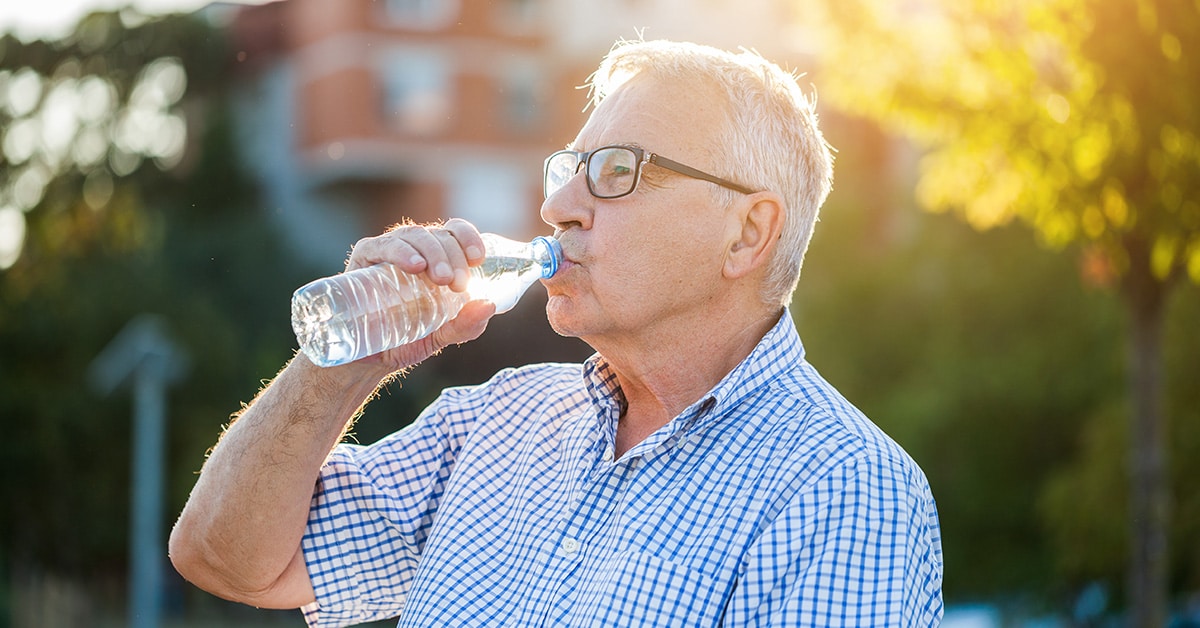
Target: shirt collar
(778,352)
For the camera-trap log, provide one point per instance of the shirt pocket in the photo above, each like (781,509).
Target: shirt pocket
(640,589)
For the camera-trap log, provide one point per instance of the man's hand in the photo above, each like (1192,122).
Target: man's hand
(443,253)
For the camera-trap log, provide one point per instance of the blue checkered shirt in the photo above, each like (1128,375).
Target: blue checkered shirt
(771,501)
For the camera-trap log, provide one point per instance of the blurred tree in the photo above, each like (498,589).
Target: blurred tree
(983,371)
(1080,119)
(120,193)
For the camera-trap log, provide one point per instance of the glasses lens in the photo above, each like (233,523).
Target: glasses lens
(560,167)
(612,171)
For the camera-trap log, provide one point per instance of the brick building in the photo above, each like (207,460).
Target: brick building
(356,114)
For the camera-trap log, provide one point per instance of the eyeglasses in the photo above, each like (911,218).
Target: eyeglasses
(614,171)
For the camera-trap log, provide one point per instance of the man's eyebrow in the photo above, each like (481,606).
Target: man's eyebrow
(571,146)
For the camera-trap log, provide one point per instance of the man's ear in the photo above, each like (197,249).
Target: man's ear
(756,224)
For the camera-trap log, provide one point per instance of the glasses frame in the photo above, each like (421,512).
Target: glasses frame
(582,158)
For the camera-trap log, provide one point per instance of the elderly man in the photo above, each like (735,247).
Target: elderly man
(696,471)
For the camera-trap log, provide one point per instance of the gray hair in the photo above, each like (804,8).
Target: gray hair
(770,142)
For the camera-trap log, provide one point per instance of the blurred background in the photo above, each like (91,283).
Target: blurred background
(1004,278)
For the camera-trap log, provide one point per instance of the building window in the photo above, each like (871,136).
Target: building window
(416,86)
(519,17)
(493,196)
(522,98)
(421,14)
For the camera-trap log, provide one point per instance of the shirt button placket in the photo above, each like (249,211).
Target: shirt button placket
(569,548)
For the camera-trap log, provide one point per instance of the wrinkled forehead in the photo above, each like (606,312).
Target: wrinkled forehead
(675,118)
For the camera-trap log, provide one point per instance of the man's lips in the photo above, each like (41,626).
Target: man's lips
(567,258)
(564,265)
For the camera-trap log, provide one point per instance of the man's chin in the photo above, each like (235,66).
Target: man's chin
(561,328)
(559,315)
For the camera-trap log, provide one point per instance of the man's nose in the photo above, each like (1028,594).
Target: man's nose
(569,206)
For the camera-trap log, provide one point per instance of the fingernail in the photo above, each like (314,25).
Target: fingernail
(443,270)
(416,260)
(473,252)
(460,276)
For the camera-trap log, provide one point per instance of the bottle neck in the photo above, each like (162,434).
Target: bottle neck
(548,253)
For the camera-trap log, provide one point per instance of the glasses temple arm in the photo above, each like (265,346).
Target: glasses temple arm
(675,166)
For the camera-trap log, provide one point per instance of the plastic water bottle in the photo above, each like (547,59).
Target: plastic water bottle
(349,316)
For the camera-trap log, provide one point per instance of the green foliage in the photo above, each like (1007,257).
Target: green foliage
(1002,373)
(180,235)
(127,229)
(1084,503)
(1081,118)
(970,352)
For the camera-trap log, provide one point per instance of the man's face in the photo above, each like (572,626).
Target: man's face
(647,263)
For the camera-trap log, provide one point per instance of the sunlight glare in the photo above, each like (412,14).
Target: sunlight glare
(20,141)
(97,188)
(135,129)
(1171,47)
(161,84)
(146,126)
(12,236)
(89,148)
(24,92)
(30,186)
(60,121)
(167,144)
(1116,208)
(1090,152)
(123,162)
(1058,107)
(54,19)
(96,98)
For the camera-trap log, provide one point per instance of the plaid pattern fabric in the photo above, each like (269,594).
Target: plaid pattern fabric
(770,501)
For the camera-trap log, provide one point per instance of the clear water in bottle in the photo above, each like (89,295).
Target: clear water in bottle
(349,316)
(504,279)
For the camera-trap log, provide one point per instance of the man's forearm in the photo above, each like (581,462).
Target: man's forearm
(239,534)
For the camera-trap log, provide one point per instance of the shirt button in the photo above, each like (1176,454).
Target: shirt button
(607,456)
(570,546)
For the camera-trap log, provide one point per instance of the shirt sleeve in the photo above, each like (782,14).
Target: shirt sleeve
(372,510)
(861,546)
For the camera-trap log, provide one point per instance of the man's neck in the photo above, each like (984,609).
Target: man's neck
(670,371)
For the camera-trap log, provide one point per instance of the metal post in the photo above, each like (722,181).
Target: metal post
(143,354)
(146,508)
